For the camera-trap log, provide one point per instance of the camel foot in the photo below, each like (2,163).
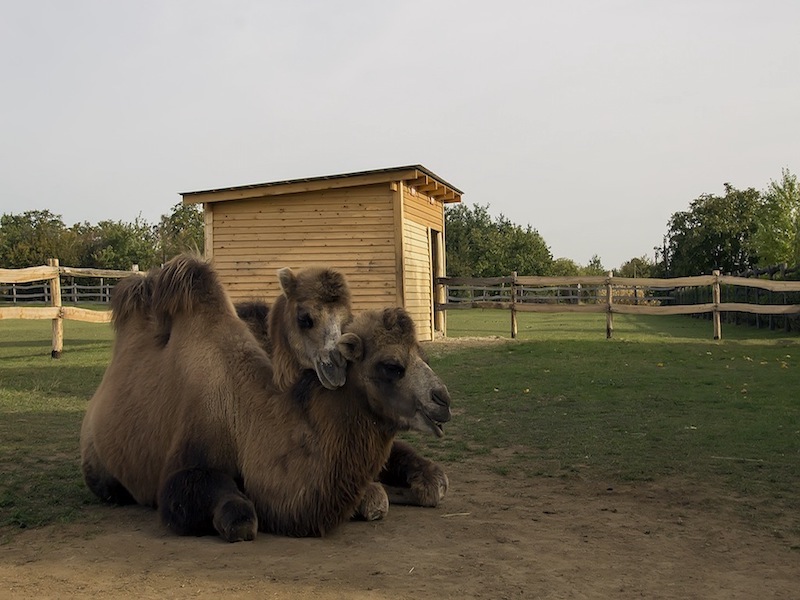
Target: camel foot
(427,487)
(374,505)
(236,521)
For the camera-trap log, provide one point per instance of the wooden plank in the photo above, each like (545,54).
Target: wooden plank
(476,281)
(86,315)
(761,309)
(764,284)
(30,312)
(399,241)
(364,245)
(208,230)
(296,187)
(58,323)
(88,272)
(28,274)
(313,205)
(555,308)
(682,309)
(274,234)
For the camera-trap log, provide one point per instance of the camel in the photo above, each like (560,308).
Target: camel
(302,328)
(193,424)
(299,332)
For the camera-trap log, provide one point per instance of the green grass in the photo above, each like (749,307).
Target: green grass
(41,405)
(659,402)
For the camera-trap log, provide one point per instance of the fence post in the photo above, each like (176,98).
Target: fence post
(55,300)
(609,301)
(513,305)
(716,300)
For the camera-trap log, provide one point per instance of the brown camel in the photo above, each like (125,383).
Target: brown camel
(195,425)
(309,314)
(302,328)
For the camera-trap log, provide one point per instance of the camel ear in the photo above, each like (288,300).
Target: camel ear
(288,281)
(351,347)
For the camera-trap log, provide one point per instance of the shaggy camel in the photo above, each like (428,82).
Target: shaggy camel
(207,437)
(308,316)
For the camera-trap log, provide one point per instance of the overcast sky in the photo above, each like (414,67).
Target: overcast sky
(593,121)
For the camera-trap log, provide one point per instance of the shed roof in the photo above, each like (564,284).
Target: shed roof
(416,176)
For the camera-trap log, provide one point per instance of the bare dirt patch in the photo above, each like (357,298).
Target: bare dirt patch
(493,537)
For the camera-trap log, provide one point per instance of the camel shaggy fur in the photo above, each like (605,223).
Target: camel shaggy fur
(193,423)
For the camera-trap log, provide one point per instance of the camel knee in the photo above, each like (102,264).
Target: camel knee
(101,483)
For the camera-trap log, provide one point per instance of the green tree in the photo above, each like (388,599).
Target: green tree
(30,239)
(640,266)
(119,245)
(564,267)
(180,231)
(716,232)
(777,238)
(595,267)
(479,246)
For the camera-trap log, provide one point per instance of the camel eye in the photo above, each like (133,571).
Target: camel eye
(391,370)
(304,321)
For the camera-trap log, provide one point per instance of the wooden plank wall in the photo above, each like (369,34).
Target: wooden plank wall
(418,278)
(421,215)
(350,229)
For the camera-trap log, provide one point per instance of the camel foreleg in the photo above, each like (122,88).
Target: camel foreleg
(199,501)
(410,478)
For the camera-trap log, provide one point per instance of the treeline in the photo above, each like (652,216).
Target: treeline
(733,232)
(479,245)
(32,237)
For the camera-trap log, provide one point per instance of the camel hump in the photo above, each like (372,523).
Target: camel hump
(131,298)
(187,284)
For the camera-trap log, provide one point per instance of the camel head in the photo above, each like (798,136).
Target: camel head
(317,306)
(387,362)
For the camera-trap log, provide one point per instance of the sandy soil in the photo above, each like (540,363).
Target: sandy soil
(493,537)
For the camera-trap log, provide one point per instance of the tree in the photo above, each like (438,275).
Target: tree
(30,239)
(778,235)
(118,245)
(595,267)
(564,267)
(640,266)
(717,232)
(180,231)
(478,246)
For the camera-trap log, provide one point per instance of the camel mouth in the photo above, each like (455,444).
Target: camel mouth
(437,427)
(331,375)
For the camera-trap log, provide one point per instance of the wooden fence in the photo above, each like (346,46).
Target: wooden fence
(605,294)
(52,274)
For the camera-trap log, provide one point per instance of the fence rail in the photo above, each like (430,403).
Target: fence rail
(51,274)
(606,294)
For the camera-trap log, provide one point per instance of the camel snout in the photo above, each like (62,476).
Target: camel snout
(331,374)
(441,397)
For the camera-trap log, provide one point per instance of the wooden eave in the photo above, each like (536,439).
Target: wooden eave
(416,177)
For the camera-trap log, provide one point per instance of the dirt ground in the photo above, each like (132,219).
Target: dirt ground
(493,537)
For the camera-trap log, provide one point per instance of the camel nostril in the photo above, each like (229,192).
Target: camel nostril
(441,397)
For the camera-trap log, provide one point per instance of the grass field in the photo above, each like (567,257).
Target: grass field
(660,401)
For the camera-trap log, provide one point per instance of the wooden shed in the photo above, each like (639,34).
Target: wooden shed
(384,229)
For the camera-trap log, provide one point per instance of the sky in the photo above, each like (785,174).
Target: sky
(592,121)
